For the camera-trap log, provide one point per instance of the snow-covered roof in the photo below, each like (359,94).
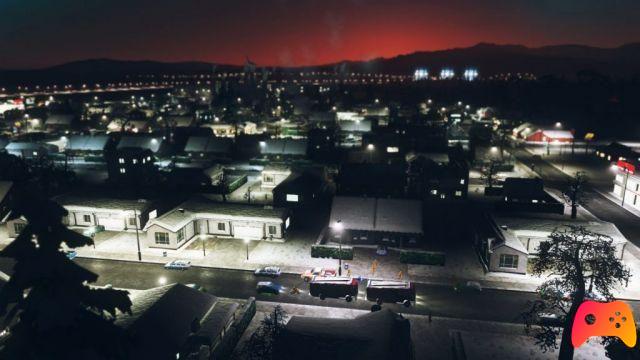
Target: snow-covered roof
(141,141)
(60,119)
(87,143)
(355,126)
(377,335)
(201,208)
(161,318)
(78,201)
(284,147)
(541,225)
(557,134)
(390,215)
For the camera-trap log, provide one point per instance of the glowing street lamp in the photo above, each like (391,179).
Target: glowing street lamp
(558,125)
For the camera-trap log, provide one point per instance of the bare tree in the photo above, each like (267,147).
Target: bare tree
(260,345)
(489,172)
(581,262)
(574,194)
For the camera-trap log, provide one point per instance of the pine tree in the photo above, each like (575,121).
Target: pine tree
(49,310)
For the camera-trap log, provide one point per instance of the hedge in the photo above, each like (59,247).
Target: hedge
(324,251)
(422,258)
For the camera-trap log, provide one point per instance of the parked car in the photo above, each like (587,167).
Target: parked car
(468,286)
(272,271)
(549,319)
(197,287)
(382,250)
(317,271)
(268,287)
(71,254)
(178,265)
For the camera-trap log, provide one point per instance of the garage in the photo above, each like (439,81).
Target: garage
(111,221)
(248,231)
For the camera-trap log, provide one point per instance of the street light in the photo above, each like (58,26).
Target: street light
(558,125)
(337,227)
(246,241)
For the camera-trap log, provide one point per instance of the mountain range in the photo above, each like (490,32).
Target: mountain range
(489,59)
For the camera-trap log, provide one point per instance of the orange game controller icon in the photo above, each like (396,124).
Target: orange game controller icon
(604,319)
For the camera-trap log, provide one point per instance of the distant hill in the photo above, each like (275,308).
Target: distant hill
(489,59)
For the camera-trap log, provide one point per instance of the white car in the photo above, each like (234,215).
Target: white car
(178,265)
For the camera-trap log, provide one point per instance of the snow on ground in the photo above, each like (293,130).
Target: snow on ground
(432,339)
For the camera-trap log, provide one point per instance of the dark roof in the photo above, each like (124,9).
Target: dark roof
(523,188)
(141,141)
(161,319)
(389,215)
(208,144)
(377,335)
(284,147)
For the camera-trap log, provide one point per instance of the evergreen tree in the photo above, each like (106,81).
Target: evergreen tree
(49,310)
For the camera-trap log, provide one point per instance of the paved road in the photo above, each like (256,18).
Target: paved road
(597,204)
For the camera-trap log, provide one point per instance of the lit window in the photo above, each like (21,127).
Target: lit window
(461,181)
(121,161)
(122,171)
(392,149)
(292,198)
(434,192)
(458,193)
(442,196)
(35,153)
(535,201)
(135,161)
(508,261)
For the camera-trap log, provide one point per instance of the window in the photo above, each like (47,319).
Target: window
(272,230)
(86,218)
(392,149)
(121,160)
(18,227)
(162,238)
(458,193)
(221,227)
(122,171)
(132,221)
(509,261)
(135,161)
(461,181)
(292,198)
(268,178)
(181,235)
(434,192)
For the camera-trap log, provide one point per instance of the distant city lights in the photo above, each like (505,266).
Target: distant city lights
(447,73)
(470,74)
(421,74)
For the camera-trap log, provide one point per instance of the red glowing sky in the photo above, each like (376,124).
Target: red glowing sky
(296,32)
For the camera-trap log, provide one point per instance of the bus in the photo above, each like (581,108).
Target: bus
(334,287)
(391,291)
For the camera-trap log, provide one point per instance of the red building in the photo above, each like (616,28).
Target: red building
(553,136)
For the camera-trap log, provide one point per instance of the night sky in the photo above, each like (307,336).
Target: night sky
(36,33)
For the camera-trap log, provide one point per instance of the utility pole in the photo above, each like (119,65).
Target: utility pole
(135,216)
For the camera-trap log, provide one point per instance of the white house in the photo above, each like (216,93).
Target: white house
(86,211)
(518,237)
(201,216)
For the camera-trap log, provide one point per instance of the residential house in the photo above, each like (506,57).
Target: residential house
(30,150)
(373,221)
(517,236)
(208,147)
(281,149)
(199,216)
(92,146)
(376,335)
(161,323)
(525,194)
